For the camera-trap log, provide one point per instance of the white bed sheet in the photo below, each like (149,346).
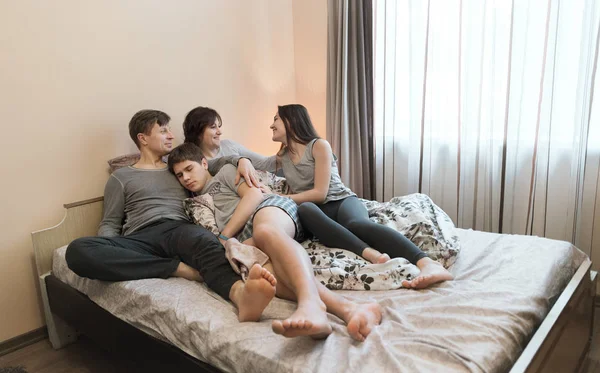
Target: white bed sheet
(504,287)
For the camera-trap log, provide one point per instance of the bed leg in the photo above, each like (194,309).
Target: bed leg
(59,332)
(593,287)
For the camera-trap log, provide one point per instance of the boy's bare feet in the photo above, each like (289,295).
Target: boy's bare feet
(185,271)
(432,272)
(306,320)
(361,320)
(252,297)
(374,256)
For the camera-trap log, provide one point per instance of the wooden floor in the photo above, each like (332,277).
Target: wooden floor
(80,357)
(85,357)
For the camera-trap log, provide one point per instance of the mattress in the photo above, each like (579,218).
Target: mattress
(504,287)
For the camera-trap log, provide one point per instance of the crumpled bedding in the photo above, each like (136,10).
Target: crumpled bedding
(504,287)
(416,216)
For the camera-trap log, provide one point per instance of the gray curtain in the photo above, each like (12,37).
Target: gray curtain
(350,92)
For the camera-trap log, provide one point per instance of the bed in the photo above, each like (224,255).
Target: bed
(519,303)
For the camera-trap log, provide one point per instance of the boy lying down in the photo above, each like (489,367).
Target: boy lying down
(269,221)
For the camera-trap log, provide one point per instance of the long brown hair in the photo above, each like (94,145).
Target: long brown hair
(298,126)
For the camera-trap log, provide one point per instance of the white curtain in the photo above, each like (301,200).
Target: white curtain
(491,108)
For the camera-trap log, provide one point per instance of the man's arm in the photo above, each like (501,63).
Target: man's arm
(114,209)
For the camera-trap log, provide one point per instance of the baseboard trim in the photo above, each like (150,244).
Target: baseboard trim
(23,340)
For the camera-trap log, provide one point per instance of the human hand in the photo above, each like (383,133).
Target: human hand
(246,170)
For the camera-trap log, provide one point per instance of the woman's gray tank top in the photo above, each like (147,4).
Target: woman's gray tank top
(301,177)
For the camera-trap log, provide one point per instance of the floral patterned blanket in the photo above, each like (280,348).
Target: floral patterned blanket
(414,215)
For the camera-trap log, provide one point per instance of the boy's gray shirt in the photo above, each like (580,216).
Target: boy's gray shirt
(135,198)
(223,190)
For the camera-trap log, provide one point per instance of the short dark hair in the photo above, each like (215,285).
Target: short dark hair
(144,120)
(297,123)
(184,152)
(195,123)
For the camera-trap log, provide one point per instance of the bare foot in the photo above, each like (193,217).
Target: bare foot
(307,320)
(432,272)
(185,271)
(256,293)
(374,256)
(362,319)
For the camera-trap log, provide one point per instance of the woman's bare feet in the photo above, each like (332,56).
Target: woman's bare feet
(308,320)
(253,296)
(374,256)
(361,320)
(432,272)
(185,271)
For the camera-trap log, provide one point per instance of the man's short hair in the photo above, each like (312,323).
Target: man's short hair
(144,120)
(184,152)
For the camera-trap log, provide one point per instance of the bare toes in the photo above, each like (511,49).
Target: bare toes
(383,258)
(365,330)
(278,327)
(353,330)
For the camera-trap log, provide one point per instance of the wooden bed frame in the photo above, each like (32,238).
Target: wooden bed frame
(560,344)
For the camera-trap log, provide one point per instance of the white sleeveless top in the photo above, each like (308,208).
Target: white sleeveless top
(301,177)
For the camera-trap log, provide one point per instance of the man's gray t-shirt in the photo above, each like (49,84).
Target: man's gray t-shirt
(135,198)
(223,190)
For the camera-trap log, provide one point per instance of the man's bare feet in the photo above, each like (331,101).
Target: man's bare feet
(185,271)
(432,272)
(374,256)
(361,320)
(255,294)
(307,320)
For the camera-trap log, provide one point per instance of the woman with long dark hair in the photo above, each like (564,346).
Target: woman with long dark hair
(330,210)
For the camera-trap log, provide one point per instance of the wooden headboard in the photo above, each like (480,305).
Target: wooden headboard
(81,220)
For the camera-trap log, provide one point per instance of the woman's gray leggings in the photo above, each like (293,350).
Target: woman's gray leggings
(345,224)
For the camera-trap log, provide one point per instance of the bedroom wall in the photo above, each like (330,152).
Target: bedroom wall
(310,55)
(73,73)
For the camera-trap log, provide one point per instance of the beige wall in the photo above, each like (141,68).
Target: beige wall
(72,74)
(310,51)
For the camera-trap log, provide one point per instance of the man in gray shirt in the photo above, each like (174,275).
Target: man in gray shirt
(145,232)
